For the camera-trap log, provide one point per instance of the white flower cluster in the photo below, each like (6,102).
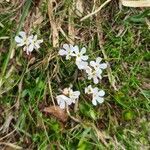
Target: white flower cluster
(73,51)
(29,42)
(93,69)
(67,97)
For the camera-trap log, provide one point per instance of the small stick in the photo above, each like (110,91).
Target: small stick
(96,11)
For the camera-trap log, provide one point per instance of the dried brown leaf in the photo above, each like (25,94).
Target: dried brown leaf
(57,112)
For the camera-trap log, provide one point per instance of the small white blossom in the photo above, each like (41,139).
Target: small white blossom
(63,101)
(80,57)
(21,39)
(95,70)
(73,95)
(34,43)
(97,65)
(94,74)
(73,51)
(97,95)
(89,89)
(66,51)
(68,98)
(30,43)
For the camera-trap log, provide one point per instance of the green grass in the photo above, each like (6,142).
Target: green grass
(28,84)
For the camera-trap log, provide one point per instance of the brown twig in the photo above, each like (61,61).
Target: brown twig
(96,11)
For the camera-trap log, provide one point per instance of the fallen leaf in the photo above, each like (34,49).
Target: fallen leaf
(57,112)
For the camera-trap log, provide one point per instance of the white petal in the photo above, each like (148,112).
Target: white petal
(83,50)
(25,48)
(62,105)
(80,67)
(89,77)
(88,70)
(68,101)
(30,47)
(81,64)
(100,99)
(22,34)
(76,49)
(40,41)
(18,39)
(94,102)
(92,63)
(64,98)
(30,39)
(27,52)
(99,76)
(103,66)
(76,94)
(95,90)
(35,38)
(98,71)
(37,46)
(61,100)
(71,47)
(101,93)
(68,57)
(62,52)
(84,57)
(21,44)
(88,89)
(95,80)
(66,46)
(98,60)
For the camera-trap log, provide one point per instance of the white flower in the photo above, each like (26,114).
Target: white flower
(94,74)
(97,65)
(73,95)
(70,51)
(66,51)
(34,43)
(97,95)
(89,89)
(21,39)
(80,57)
(68,98)
(63,101)
(30,43)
